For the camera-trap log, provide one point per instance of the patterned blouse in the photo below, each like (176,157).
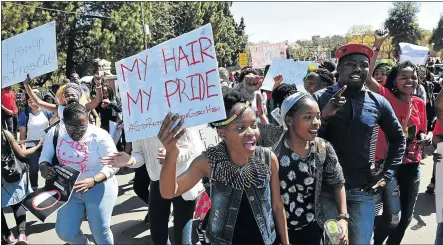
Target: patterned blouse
(297,183)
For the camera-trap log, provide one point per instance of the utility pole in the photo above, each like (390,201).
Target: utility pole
(143,23)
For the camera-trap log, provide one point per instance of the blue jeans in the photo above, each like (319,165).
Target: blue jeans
(439,235)
(408,176)
(97,203)
(387,223)
(361,208)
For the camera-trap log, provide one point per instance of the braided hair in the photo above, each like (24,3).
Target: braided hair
(325,76)
(281,92)
(74,110)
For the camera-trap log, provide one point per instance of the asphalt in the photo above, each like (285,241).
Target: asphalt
(129,228)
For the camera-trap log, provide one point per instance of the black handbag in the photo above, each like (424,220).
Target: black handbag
(12,169)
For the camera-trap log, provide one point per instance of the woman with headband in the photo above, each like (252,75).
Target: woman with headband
(71,91)
(308,166)
(244,184)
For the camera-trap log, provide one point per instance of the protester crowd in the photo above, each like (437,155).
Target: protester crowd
(346,145)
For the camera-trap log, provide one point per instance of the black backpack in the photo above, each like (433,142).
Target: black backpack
(12,169)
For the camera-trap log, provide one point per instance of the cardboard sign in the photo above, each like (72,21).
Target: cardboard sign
(414,53)
(262,55)
(208,135)
(33,52)
(45,201)
(178,76)
(293,72)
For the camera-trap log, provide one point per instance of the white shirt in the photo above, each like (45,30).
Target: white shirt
(145,152)
(84,155)
(36,127)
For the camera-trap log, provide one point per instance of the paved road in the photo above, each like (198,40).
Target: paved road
(128,226)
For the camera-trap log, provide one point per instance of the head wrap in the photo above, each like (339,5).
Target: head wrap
(289,102)
(74,86)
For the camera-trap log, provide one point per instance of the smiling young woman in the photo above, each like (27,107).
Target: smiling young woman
(243,177)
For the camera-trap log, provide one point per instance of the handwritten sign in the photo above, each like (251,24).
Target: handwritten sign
(293,72)
(179,75)
(414,53)
(33,52)
(262,55)
(208,135)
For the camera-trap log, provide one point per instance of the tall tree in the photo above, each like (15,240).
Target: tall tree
(362,34)
(402,24)
(437,36)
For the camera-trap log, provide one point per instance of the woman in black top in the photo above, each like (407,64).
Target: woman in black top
(109,108)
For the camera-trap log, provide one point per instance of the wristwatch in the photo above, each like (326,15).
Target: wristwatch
(95,181)
(343,216)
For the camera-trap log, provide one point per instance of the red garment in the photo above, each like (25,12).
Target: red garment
(9,100)
(438,129)
(203,204)
(417,118)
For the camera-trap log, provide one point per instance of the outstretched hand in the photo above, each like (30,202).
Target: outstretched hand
(380,36)
(118,160)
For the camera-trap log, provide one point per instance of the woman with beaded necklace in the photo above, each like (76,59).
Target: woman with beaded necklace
(245,190)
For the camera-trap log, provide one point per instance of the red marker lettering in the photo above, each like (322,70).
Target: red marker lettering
(168,95)
(131,70)
(180,52)
(193,53)
(207,85)
(139,95)
(168,59)
(203,50)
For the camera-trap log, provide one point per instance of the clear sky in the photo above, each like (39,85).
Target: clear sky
(280,21)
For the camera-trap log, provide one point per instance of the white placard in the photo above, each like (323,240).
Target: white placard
(178,76)
(439,185)
(293,73)
(208,135)
(33,52)
(262,55)
(416,54)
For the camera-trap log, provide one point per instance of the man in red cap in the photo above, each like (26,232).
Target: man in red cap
(350,116)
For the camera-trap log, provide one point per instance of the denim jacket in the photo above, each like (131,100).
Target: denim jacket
(351,132)
(226,201)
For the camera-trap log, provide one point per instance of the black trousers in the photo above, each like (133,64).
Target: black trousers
(311,234)
(159,210)
(141,183)
(20,219)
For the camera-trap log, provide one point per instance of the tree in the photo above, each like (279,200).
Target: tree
(437,36)
(362,34)
(402,24)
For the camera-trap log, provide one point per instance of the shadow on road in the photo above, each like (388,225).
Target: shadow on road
(129,206)
(425,206)
(36,227)
(126,232)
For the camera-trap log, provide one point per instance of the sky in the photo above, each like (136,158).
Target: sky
(280,21)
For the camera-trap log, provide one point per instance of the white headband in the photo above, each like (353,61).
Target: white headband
(290,101)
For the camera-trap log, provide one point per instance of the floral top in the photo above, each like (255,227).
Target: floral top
(297,183)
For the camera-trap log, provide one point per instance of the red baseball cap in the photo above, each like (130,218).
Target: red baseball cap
(354,49)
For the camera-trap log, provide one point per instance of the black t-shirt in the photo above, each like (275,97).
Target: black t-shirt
(246,230)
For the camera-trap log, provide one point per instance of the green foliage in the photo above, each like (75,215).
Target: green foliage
(437,36)
(402,24)
(88,30)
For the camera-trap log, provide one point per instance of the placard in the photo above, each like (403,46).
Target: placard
(414,53)
(178,76)
(208,135)
(293,72)
(33,52)
(45,201)
(262,55)
(243,59)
